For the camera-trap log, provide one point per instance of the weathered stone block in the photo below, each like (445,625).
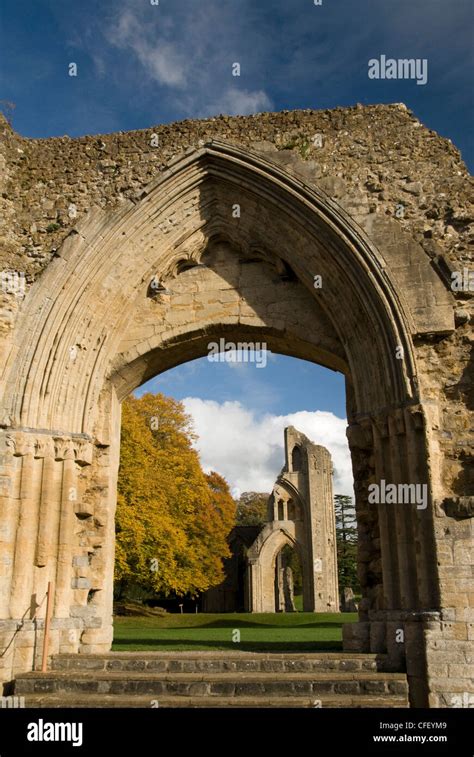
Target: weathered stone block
(80,583)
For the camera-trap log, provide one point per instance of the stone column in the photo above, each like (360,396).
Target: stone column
(321,530)
(255,597)
(25,534)
(49,505)
(40,510)
(63,587)
(398,621)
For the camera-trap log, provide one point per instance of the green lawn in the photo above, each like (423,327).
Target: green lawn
(271,632)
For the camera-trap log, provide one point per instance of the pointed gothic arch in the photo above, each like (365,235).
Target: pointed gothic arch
(138,290)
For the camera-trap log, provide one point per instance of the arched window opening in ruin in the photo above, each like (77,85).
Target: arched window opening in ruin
(288,580)
(296,459)
(281,510)
(291,510)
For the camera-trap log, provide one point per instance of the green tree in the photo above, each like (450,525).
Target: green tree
(346,540)
(172,520)
(252,509)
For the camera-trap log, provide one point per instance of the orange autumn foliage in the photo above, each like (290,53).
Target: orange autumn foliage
(172,519)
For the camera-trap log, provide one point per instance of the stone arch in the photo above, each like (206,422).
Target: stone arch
(133,292)
(261,559)
(109,260)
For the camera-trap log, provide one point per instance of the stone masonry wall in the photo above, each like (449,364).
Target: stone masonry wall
(373,160)
(377,162)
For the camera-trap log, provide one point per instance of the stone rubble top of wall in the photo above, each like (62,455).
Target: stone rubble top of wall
(382,152)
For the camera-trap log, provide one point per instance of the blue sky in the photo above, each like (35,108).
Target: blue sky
(240,411)
(284,385)
(140,64)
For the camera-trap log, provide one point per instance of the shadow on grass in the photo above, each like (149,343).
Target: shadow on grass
(234,623)
(250,646)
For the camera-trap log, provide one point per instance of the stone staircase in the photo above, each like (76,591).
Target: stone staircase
(215,679)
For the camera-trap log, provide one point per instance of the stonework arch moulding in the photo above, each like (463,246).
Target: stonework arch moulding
(92,328)
(83,302)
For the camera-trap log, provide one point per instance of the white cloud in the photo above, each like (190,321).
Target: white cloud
(240,102)
(158,56)
(185,55)
(248,449)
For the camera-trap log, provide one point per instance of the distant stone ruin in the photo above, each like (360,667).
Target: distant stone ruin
(301,516)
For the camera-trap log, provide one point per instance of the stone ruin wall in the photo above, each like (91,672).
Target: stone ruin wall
(373,160)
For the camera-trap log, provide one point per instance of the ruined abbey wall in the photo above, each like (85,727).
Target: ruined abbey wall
(407,194)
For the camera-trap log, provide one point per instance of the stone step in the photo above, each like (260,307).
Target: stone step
(205,684)
(125,701)
(191,662)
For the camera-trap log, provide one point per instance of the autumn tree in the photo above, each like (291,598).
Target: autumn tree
(172,519)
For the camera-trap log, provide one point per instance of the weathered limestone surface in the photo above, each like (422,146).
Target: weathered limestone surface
(301,515)
(121,259)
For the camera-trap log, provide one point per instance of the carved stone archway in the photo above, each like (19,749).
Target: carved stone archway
(262,559)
